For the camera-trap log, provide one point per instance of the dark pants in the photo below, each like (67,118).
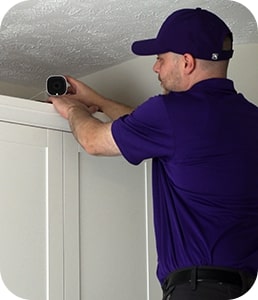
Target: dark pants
(193,284)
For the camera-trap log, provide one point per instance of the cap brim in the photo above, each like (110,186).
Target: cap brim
(146,47)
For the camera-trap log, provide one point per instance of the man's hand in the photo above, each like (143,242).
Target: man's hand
(93,135)
(64,104)
(80,92)
(78,105)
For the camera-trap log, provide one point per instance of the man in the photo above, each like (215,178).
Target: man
(203,139)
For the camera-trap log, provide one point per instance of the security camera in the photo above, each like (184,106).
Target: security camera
(56,85)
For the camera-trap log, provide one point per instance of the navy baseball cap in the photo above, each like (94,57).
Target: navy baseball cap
(195,31)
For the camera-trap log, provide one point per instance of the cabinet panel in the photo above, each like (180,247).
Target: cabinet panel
(71,218)
(113,236)
(155,291)
(22,219)
(31,216)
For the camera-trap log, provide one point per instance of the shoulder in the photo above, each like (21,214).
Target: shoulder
(151,111)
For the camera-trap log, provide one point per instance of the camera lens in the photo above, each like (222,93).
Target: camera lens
(56,85)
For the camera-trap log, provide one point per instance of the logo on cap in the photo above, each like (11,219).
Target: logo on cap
(215,56)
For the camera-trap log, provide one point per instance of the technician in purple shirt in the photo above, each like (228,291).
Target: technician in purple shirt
(203,139)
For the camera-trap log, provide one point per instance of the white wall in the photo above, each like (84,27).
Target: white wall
(134,81)
(244,70)
(16,90)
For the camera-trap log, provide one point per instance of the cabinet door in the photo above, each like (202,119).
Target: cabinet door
(114,229)
(31,212)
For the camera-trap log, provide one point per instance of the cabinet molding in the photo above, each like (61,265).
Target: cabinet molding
(32,113)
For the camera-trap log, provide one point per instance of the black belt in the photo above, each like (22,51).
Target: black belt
(200,274)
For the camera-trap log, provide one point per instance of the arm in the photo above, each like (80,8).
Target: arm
(80,91)
(78,106)
(92,134)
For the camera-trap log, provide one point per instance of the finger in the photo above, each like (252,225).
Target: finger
(50,99)
(72,81)
(54,98)
(92,109)
(70,90)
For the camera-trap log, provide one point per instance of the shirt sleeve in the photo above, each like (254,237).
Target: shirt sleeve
(146,133)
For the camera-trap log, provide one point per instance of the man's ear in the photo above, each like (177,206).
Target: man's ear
(189,63)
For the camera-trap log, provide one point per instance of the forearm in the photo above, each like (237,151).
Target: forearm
(109,107)
(93,135)
(80,91)
(113,109)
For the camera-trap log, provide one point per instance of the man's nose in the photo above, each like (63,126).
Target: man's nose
(155,67)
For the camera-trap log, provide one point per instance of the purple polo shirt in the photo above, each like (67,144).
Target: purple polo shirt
(204,146)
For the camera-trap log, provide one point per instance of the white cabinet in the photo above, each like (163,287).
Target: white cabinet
(31,211)
(118,258)
(113,229)
(38,202)
(72,226)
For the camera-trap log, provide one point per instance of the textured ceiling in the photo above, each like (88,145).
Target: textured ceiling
(79,37)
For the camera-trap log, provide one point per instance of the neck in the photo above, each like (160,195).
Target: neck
(207,70)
